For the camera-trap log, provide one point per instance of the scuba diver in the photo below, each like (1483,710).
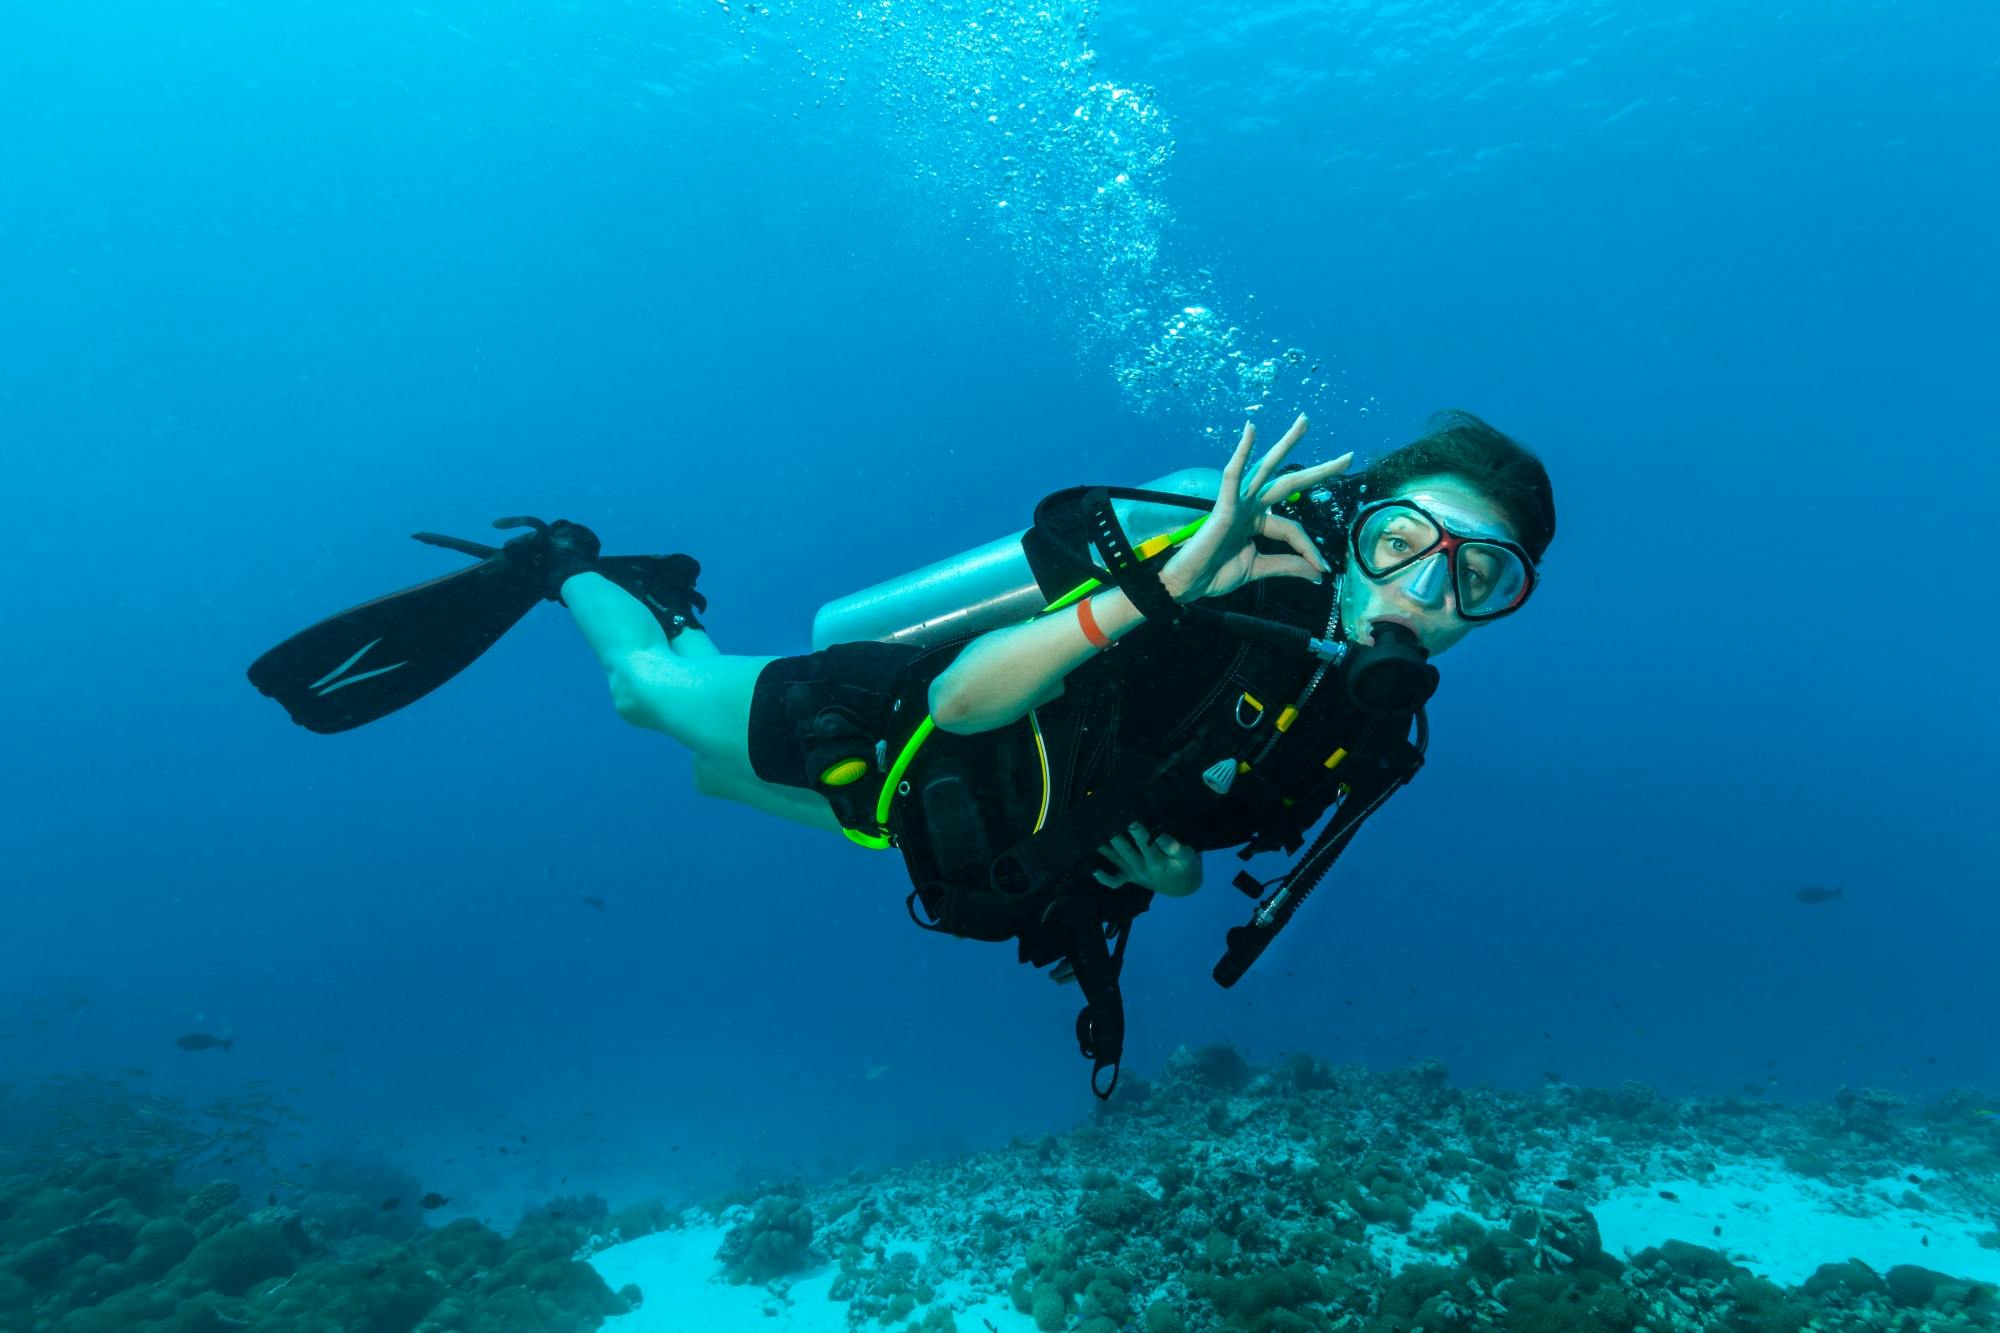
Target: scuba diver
(1054,727)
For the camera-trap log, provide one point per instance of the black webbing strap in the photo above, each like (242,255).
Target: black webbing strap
(1100,1025)
(1137,578)
(1057,544)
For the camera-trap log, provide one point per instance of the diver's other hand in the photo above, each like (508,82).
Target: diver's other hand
(552,553)
(1163,864)
(1222,555)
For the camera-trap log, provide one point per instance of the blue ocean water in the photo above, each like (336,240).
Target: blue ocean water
(823,293)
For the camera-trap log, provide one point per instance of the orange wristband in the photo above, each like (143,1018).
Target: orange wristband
(1098,638)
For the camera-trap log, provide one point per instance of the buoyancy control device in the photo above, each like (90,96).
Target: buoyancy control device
(987,864)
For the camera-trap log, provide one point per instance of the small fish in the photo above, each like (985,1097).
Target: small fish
(433,1200)
(503,1149)
(1670,1196)
(80,1002)
(1924,1241)
(876,1071)
(271,1199)
(1565,1184)
(201,1041)
(1914,1178)
(1814,894)
(136,1073)
(591,900)
(391,1205)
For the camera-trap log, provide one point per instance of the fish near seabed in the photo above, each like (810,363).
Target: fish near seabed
(201,1041)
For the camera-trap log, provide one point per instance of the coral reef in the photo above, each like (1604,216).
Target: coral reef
(1225,1197)
(1309,1198)
(110,1247)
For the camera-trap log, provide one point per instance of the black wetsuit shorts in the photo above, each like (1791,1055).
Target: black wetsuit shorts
(862,678)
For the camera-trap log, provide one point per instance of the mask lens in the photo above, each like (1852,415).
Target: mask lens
(1392,537)
(1490,579)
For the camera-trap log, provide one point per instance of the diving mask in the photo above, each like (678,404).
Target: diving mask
(1401,539)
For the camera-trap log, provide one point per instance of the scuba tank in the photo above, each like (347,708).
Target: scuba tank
(988,587)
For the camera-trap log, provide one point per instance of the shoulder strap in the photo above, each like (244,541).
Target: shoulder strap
(1068,522)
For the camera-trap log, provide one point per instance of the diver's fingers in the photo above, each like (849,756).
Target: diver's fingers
(1284,566)
(1232,473)
(1108,881)
(1303,480)
(1268,468)
(1319,472)
(1288,530)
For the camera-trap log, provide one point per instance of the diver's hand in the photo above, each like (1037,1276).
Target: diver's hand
(1163,864)
(1222,555)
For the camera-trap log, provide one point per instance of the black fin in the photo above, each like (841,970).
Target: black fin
(665,583)
(372,659)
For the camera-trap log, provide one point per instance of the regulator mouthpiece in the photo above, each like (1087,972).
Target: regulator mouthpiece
(1393,675)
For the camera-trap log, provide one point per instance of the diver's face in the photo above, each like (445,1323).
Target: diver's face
(1422,597)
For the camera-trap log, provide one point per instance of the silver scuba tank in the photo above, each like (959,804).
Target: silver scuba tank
(988,587)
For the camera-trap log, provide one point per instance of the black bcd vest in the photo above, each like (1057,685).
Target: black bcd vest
(999,830)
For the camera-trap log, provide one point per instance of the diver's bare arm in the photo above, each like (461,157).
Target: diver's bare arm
(1005,672)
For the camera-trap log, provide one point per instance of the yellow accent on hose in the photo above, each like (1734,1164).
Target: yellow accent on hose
(1333,760)
(1286,718)
(1041,753)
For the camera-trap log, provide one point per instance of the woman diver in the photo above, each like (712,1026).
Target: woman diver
(1223,685)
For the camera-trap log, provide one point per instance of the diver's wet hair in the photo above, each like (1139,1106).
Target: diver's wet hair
(1460,445)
